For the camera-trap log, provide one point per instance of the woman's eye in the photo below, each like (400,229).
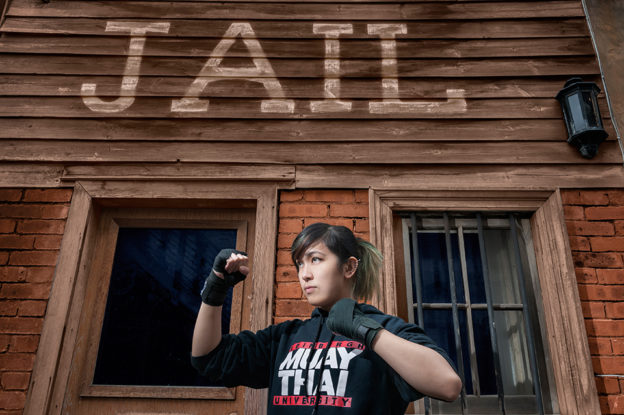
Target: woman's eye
(316,260)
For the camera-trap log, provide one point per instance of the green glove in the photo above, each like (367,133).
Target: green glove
(347,319)
(215,289)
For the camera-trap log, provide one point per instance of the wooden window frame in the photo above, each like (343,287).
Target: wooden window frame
(59,333)
(110,222)
(564,323)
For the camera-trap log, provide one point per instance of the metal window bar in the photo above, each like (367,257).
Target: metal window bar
(527,321)
(490,312)
(418,283)
(451,274)
(406,224)
(474,370)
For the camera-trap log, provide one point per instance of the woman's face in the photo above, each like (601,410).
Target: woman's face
(323,280)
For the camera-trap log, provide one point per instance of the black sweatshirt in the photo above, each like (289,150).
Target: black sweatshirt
(293,358)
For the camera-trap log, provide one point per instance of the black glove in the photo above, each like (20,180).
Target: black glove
(347,319)
(215,289)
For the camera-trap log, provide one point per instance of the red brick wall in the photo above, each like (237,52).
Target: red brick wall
(300,208)
(595,221)
(31,226)
(32,223)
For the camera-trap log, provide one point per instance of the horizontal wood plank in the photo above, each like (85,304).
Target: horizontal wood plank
(389,153)
(179,171)
(279,29)
(334,1)
(304,68)
(295,11)
(308,48)
(504,108)
(281,130)
(440,177)
(30,175)
(409,88)
(512,177)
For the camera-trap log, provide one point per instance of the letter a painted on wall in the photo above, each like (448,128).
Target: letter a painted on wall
(262,72)
(131,72)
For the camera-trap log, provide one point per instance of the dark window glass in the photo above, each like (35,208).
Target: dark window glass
(153,300)
(434,268)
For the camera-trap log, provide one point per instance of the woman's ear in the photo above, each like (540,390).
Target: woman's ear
(350,267)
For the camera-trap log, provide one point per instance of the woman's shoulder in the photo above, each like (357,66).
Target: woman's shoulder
(390,322)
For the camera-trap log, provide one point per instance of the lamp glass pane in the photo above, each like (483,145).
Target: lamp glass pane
(577,118)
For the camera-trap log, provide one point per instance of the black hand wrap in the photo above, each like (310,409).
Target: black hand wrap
(215,289)
(347,319)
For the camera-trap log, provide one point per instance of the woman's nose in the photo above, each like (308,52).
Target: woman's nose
(304,270)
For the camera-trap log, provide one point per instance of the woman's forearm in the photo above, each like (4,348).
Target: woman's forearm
(423,368)
(207,333)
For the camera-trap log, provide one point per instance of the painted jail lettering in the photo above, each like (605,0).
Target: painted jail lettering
(262,72)
(131,72)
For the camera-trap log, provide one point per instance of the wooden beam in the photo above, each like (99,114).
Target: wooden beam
(172,86)
(304,68)
(388,153)
(31,175)
(279,29)
(185,172)
(567,336)
(183,190)
(296,11)
(264,270)
(298,48)
(204,130)
(56,320)
(529,177)
(225,108)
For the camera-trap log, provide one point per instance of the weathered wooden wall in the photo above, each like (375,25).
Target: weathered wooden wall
(605,19)
(476,83)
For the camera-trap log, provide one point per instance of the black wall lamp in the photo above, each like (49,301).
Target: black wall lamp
(579,102)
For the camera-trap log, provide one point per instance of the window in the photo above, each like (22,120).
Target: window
(572,387)
(470,284)
(141,302)
(119,236)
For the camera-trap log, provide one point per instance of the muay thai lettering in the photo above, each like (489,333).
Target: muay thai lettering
(305,359)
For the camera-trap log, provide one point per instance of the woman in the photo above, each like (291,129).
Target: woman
(347,358)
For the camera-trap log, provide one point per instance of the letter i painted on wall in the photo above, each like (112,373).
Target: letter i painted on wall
(332,102)
(131,72)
